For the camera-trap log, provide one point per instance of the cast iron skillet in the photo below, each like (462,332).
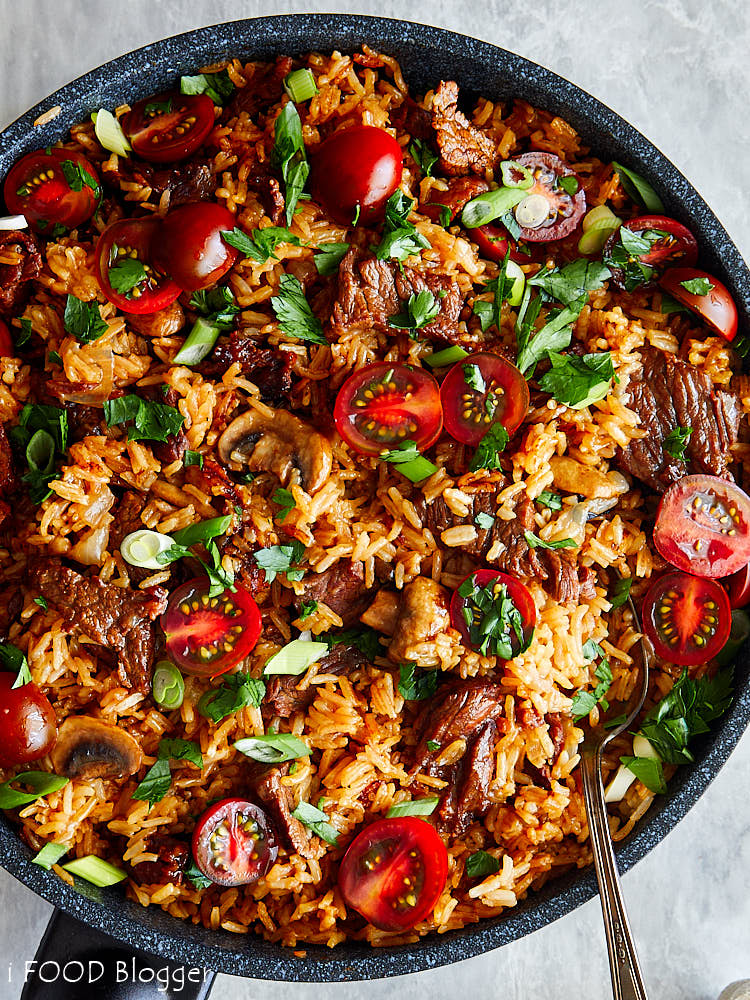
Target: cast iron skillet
(427,55)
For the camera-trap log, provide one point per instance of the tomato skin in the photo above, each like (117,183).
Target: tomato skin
(220,835)
(7,350)
(685,519)
(547,170)
(717,309)
(380,858)
(52,200)
(134,234)
(420,416)
(28,727)
(358,166)
(189,247)
(511,396)
(738,587)
(517,591)
(209,627)
(680,246)
(493,242)
(687,618)
(153,133)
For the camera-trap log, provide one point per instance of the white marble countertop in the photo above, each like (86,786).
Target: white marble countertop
(679,71)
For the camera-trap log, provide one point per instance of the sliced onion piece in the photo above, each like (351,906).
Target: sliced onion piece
(13,222)
(140,548)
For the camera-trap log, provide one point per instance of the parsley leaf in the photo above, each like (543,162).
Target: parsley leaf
(273,748)
(83,320)
(493,621)
(276,559)
(151,421)
(697,286)
(568,184)
(289,156)
(421,309)
(126,273)
(194,875)
(551,500)
(423,156)
(627,252)
(192,458)
(620,591)
(307,608)
(236,691)
(414,687)
(78,177)
(317,821)
(584,701)
(260,245)
(676,442)
(218,86)
(365,639)
(285,499)
(553,336)
(671,305)
(216,304)
(649,771)
(158,779)
(433,745)
(45,426)
(42,602)
(293,311)
(487,454)
(572,283)
(473,377)
(329,256)
(484,521)
(400,237)
(538,543)
(481,864)
(578,382)
(13,659)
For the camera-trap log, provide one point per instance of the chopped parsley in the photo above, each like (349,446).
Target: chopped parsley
(433,745)
(78,177)
(158,779)
(481,864)
(501,288)
(126,273)
(192,458)
(289,156)
(584,701)
(13,659)
(329,256)
(273,748)
(421,309)
(203,533)
(578,382)
(626,255)
(555,335)
(25,335)
(487,454)
(42,602)
(218,305)
(307,608)
(473,377)
(493,621)
(218,86)
(42,435)
(568,184)
(261,243)
(285,500)
(620,591)
(649,771)
(365,639)
(236,691)
(400,237)
(423,156)
(414,686)
(293,311)
(571,284)
(639,189)
(551,500)
(284,559)
(538,543)
(150,421)
(698,286)
(83,320)
(676,442)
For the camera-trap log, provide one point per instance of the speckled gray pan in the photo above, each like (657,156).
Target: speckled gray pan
(426,55)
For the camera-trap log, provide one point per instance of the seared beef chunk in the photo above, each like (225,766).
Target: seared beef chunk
(412,118)
(15,277)
(174,856)
(423,615)
(164,323)
(371,291)
(463,147)
(84,420)
(279,801)
(268,368)
(116,617)
(282,696)
(127,517)
(341,588)
(11,603)
(555,567)
(460,191)
(262,180)
(191,181)
(263,88)
(173,449)
(542,775)
(471,710)
(667,393)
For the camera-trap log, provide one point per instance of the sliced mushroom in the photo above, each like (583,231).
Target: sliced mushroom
(423,615)
(575,477)
(89,748)
(282,444)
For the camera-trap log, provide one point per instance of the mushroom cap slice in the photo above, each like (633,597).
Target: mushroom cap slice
(90,748)
(282,444)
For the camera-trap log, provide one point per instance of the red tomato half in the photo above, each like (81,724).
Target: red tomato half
(687,619)
(234,843)
(493,242)
(679,245)
(206,635)
(358,167)
(7,350)
(28,728)
(738,587)
(51,186)
(494,613)
(565,210)
(121,245)
(479,391)
(169,127)
(394,872)
(703,526)
(379,406)
(716,309)
(189,247)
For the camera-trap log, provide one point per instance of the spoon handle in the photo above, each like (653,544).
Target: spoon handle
(627,982)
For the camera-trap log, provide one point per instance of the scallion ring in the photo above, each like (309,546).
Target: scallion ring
(300,85)
(167,685)
(140,548)
(532,212)
(40,452)
(515,175)
(199,342)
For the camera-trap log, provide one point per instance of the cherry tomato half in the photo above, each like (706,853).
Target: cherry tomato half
(234,842)
(482,390)
(28,728)
(703,526)
(381,405)
(493,242)
(394,872)
(565,210)
(169,127)
(678,244)
(687,618)
(206,635)
(51,186)
(7,350)
(121,246)
(494,613)
(716,309)
(738,587)
(358,167)
(189,247)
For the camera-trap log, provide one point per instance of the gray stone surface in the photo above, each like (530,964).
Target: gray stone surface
(679,71)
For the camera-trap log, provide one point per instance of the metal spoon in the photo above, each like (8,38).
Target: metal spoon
(627,982)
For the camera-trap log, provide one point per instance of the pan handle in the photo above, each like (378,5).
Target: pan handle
(78,962)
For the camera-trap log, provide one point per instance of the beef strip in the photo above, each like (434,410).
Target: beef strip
(463,147)
(190,181)
(15,278)
(460,191)
(666,393)
(412,118)
(262,180)
(267,367)
(273,794)
(283,698)
(84,420)
(174,448)
(174,857)
(342,588)
(164,323)
(542,776)
(127,517)
(116,617)
(423,615)
(370,291)
(472,710)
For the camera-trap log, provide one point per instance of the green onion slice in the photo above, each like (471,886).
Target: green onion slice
(417,470)
(296,657)
(50,854)
(414,807)
(273,748)
(199,342)
(300,85)
(109,132)
(167,685)
(140,548)
(96,871)
(42,782)
(491,205)
(40,452)
(515,175)
(447,357)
